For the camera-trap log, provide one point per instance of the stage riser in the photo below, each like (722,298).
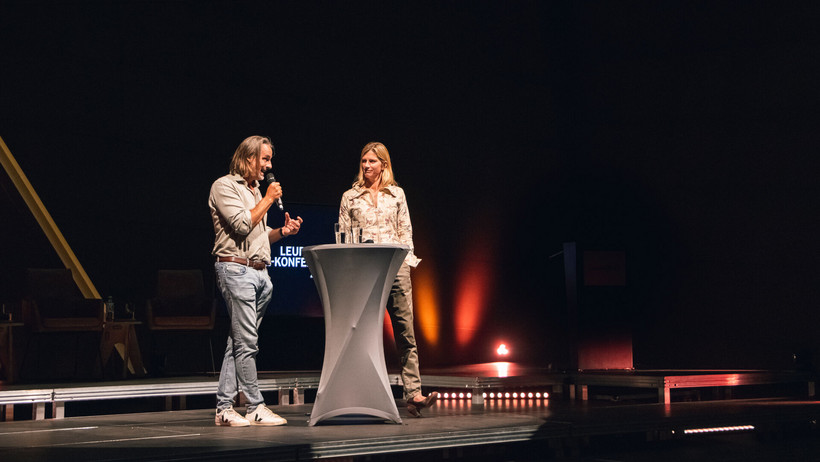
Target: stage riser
(291,389)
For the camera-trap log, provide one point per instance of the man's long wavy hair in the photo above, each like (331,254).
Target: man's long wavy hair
(248,150)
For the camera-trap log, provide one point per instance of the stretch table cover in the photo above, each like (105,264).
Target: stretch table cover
(354,282)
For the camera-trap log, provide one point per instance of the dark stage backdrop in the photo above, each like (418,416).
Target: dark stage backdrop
(683,134)
(294,292)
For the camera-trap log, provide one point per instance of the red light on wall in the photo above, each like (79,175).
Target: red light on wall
(471,300)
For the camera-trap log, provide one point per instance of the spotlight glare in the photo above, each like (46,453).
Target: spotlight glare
(461,395)
(507,395)
(502,350)
(529,395)
(538,395)
(446,395)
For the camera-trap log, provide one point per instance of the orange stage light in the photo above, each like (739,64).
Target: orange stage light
(425,306)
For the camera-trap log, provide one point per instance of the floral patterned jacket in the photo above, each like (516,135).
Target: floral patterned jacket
(387,222)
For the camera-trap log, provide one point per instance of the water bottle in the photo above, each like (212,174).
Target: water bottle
(109,308)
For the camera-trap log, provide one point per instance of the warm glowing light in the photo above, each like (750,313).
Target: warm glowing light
(529,395)
(733,379)
(719,429)
(502,368)
(484,395)
(492,395)
(387,329)
(538,395)
(425,304)
(502,350)
(469,395)
(515,395)
(507,395)
(461,395)
(473,290)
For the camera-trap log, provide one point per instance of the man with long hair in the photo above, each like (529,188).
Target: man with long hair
(242,251)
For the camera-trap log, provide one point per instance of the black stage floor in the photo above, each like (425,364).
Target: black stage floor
(591,416)
(528,429)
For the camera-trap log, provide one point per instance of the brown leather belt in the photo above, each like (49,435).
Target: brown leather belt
(255,264)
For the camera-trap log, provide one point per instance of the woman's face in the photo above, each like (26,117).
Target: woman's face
(371,168)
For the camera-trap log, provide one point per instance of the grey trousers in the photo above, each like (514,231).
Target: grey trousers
(400,309)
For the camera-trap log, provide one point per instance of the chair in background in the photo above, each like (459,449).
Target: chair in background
(54,310)
(181,309)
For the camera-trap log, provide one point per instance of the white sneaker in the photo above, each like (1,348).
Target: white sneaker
(230,418)
(264,416)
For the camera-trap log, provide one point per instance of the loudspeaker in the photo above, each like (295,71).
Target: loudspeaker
(600,315)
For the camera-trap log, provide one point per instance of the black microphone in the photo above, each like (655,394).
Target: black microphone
(269,177)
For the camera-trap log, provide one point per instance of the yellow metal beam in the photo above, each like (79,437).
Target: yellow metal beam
(46,222)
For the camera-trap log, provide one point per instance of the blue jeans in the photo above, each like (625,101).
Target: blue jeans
(246,292)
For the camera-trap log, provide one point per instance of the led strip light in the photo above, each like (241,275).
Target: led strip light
(736,428)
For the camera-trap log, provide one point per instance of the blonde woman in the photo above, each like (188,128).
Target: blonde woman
(377,204)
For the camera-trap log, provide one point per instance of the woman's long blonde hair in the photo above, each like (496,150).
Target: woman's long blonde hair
(380,150)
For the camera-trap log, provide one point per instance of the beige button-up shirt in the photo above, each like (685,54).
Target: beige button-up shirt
(386,222)
(231,201)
